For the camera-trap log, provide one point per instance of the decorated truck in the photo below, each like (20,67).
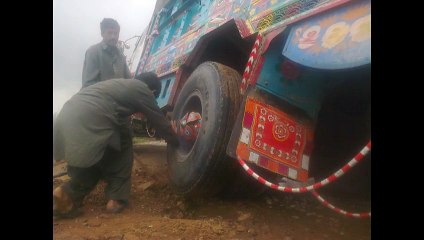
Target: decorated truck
(263,93)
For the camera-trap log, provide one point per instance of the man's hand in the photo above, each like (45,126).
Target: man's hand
(174,126)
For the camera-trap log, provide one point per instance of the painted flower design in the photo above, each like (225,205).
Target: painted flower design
(361,29)
(335,34)
(280,131)
(309,37)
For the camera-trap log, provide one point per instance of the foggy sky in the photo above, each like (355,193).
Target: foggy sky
(76,26)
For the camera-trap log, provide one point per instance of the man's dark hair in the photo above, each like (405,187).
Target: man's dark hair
(108,23)
(152,81)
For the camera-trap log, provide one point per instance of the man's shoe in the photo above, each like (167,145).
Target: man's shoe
(115,206)
(63,207)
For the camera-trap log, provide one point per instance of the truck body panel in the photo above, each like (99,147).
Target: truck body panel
(338,39)
(293,54)
(179,26)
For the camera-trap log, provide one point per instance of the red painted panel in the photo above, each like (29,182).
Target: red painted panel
(277,135)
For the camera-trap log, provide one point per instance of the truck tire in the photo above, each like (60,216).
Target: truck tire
(202,168)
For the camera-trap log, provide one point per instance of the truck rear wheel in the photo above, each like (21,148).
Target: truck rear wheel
(201,167)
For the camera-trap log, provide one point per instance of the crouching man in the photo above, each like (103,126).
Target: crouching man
(92,133)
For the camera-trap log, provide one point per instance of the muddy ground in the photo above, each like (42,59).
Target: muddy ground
(156,212)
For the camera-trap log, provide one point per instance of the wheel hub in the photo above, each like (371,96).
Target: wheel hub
(189,126)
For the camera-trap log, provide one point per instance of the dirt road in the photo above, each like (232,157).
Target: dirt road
(157,213)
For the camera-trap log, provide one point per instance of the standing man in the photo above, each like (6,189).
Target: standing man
(104,61)
(92,134)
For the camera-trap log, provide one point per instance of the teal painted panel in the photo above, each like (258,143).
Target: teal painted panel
(305,92)
(167,84)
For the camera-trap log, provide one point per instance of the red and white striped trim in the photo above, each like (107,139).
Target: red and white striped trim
(341,211)
(252,57)
(315,186)
(324,182)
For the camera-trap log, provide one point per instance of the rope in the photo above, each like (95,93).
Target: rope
(338,210)
(315,186)
(320,184)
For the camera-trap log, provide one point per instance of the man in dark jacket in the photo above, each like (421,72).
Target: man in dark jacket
(92,134)
(104,61)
